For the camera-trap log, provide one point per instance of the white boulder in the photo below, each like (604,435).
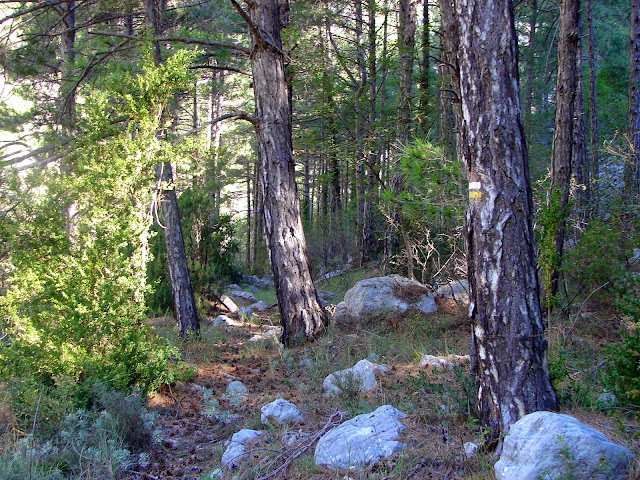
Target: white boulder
(360,378)
(554,446)
(232,456)
(375,298)
(280,412)
(361,441)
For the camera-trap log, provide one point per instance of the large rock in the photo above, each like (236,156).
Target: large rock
(456,291)
(235,451)
(280,412)
(361,441)
(550,445)
(375,298)
(360,378)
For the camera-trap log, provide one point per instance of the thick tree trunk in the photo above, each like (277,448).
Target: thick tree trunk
(301,315)
(564,127)
(184,305)
(632,170)
(509,351)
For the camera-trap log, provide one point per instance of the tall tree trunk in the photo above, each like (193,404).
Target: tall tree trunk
(248,242)
(632,169)
(360,125)
(368,233)
(301,315)
(593,118)
(563,135)
(184,305)
(215,134)
(406,45)
(580,160)
(509,351)
(425,99)
(531,58)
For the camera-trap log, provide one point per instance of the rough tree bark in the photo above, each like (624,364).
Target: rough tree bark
(564,127)
(509,351)
(184,305)
(301,315)
(593,116)
(632,170)
(425,98)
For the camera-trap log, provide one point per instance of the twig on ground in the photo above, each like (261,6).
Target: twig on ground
(305,445)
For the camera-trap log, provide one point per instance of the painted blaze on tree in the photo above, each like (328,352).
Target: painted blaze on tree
(301,315)
(509,350)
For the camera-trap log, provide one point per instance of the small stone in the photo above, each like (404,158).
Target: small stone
(259,306)
(237,389)
(359,378)
(232,456)
(607,400)
(280,412)
(470,449)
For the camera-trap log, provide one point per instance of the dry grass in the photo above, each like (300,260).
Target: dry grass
(439,406)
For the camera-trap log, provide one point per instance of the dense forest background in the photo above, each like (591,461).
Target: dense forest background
(111,107)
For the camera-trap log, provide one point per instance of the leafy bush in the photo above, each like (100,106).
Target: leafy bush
(73,313)
(431,204)
(623,369)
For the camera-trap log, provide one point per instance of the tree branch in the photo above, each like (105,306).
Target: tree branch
(190,41)
(236,115)
(215,67)
(252,26)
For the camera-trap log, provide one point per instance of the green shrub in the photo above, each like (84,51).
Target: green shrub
(623,369)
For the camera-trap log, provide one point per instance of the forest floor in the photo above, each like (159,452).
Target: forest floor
(195,418)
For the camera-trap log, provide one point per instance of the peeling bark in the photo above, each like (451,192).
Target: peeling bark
(509,351)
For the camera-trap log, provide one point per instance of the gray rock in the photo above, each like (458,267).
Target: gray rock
(606,400)
(259,306)
(233,286)
(246,314)
(232,456)
(456,290)
(271,335)
(375,298)
(280,412)
(221,320)
(359,378)
(361,441)
(237,389)
(248,296)
(438,364)
(550,445)
(229,304)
